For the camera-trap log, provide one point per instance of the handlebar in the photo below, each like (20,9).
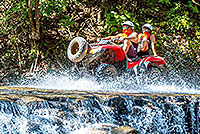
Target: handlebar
(111,40)
(102,41)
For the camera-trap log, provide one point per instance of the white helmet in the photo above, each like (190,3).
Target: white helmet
(128,23)
(147,26)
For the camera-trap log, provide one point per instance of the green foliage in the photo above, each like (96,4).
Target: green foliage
(179,19)
(66,21)
(16,11)
(63,19)
(167,2)
(47,8)
(113,20)
(180,22)
(194,7)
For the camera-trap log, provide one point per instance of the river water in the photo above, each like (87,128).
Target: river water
(21,116)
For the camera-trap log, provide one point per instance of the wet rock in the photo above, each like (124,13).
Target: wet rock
(112,129)
(119,104)
(124,130)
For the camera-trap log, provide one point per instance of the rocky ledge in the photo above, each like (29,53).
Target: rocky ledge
(123,113)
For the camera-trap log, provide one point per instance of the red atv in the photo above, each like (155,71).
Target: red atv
(108,59)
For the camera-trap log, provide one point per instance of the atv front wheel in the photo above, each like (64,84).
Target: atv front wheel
(106,71)
(77,49)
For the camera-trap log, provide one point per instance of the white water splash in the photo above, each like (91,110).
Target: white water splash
(67,82)
(171,89)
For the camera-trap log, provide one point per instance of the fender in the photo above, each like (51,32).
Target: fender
(155,60)
(148,61)
(119,52)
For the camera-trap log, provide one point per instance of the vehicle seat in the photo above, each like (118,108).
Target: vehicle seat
(134,59)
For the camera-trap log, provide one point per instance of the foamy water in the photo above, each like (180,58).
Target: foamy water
(64,81)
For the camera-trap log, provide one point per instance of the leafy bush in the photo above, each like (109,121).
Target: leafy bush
(176,27)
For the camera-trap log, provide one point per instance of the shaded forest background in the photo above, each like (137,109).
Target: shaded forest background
(34,35)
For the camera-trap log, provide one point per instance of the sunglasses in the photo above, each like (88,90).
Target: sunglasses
(125,27)
(146,28)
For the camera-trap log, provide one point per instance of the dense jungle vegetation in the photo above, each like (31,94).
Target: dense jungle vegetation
(36,33)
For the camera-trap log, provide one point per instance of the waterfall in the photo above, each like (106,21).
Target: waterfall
(26,110)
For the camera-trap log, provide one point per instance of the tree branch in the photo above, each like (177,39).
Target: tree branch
(30,15)
(19,57)
(195,2)
(37,19)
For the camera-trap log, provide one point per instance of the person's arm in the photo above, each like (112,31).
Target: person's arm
(127,41)
(111,37)
(153,40)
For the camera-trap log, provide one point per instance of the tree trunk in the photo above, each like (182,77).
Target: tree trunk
(35,33)
(37,20)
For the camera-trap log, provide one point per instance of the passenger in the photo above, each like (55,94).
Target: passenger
(146,41)
(129,37)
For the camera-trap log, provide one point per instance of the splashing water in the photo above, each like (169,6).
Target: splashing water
(65,81)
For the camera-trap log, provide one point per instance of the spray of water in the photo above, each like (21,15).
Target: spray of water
(172,83)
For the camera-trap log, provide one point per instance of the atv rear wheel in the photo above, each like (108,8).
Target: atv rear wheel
(77,49)
(154,74)
(106,71)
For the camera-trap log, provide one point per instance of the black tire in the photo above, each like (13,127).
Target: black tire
(154,74)
(106,71)
(77,49)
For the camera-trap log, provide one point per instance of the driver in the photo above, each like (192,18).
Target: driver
(129,37)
